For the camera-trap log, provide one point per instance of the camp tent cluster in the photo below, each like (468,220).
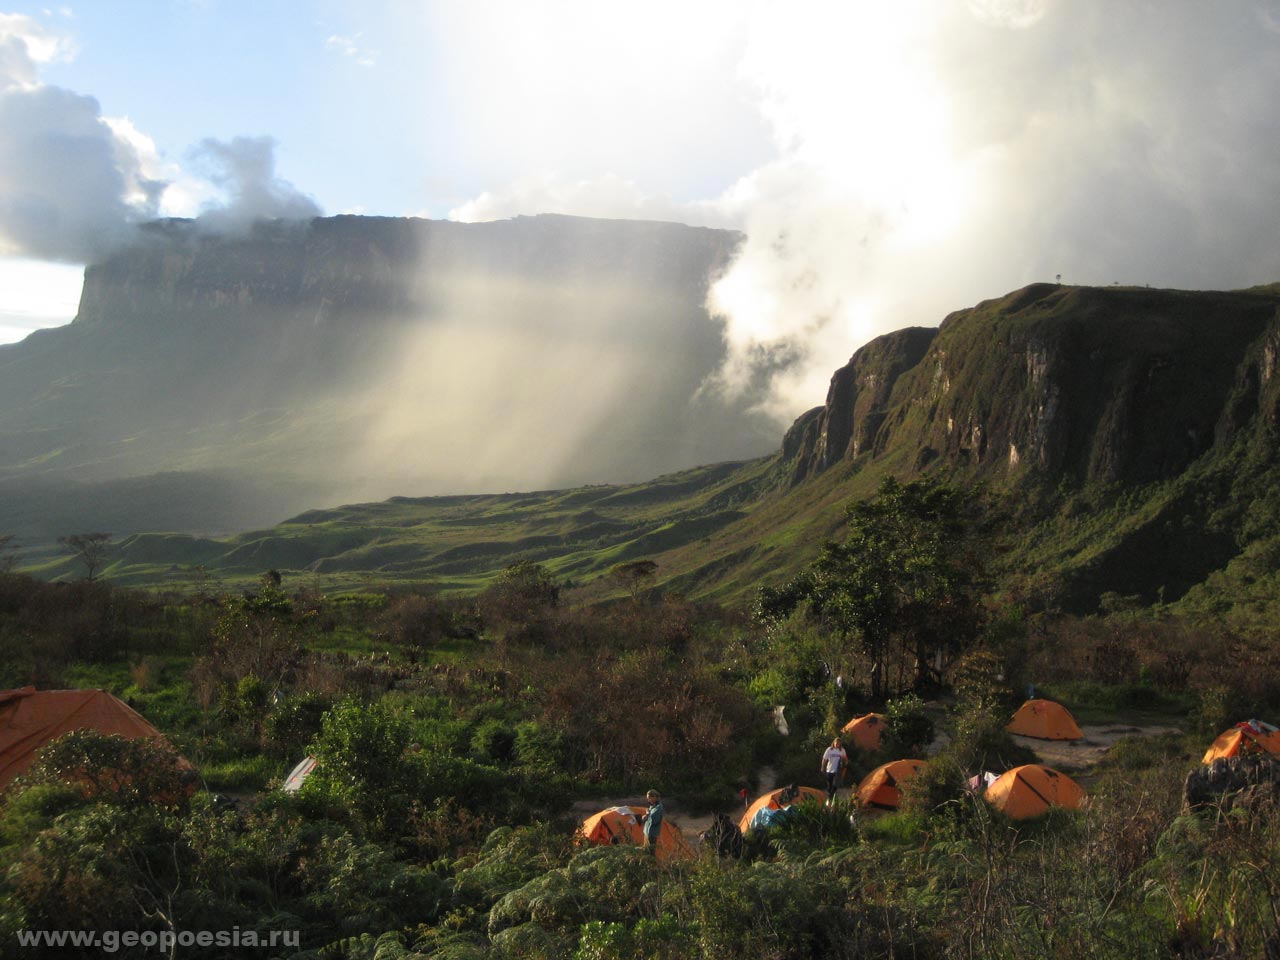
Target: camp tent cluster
(31,718)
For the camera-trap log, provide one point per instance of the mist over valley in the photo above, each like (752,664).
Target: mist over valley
(319,362)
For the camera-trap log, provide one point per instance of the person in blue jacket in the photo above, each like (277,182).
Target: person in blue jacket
(653,821)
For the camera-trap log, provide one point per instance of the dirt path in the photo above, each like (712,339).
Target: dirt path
(1081,756)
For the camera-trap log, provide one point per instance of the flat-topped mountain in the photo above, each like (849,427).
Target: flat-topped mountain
(354,357)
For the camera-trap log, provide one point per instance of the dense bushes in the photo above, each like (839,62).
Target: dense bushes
(438,823)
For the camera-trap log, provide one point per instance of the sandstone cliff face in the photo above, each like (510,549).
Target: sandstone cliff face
(857,403)
(381,267)
(1111,385)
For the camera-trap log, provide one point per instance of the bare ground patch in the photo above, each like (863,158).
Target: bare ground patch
(1081,756)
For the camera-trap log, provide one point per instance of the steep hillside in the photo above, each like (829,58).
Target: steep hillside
(1130,436)
(1136,428)
(357,357)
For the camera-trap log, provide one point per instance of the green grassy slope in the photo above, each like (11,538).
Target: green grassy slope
(457,542)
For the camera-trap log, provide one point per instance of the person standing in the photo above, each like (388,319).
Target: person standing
(833,762)
(653,821)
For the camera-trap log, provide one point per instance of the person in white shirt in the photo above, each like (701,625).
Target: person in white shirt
(833,763)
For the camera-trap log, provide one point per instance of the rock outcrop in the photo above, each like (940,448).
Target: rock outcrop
(857,403)
(1247,782)
(1106,385)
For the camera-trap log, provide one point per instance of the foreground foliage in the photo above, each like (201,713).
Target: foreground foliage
(452,737)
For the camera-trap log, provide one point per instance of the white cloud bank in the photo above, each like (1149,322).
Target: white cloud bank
(928,154)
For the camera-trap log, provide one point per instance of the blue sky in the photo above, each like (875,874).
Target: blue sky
(888,161)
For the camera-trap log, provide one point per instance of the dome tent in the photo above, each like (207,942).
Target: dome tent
(773,801)
(31,718)
(623,826)
(1044,720)
(879,788)
(1251,736)
(1031,790)
(865,731)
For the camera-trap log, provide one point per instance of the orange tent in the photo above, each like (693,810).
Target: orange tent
(1030,790)
(1044,720)
(30,718)
(1253,736)
(866,731)
(879,788)
(623,825)
(770,801)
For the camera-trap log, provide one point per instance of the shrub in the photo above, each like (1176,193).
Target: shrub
(294,722)
(979,678)
(114,769)
(539,747)
(813,826)
(1215,711)
(980,742)
(663,938)
(416,623)
(90,870)
(773,686)
(362,886)
(244,707)
(362,763)
(31,810)
(940,782)
(494,740)
(522,592)
(910,728)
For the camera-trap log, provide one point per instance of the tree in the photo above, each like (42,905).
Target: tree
(7,558)
(363,762)
(526,586)
(634,575)
(90,549)
(907,574)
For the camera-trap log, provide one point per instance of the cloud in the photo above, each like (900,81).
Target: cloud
(24,45)
(70,189)
(921,156)
(351,48)
(1011,14)
(244,169)
(70,186)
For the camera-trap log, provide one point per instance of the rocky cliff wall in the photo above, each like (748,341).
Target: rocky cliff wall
(1095,384)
